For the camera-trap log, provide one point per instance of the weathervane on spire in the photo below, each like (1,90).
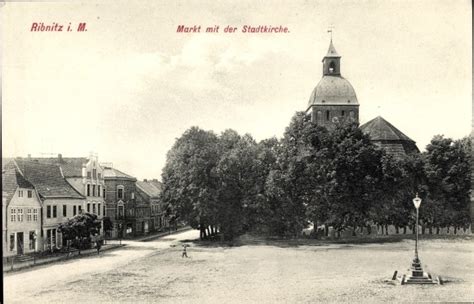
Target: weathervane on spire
(330,28)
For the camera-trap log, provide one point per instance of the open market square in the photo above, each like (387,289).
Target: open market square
(252,271)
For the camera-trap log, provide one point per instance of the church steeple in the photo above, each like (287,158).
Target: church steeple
(332,62)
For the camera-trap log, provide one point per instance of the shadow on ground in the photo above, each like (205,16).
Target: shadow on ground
(252,240)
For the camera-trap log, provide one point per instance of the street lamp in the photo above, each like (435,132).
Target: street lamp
(417,274)
(417,203)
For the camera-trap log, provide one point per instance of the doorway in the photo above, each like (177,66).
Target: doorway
(19,243)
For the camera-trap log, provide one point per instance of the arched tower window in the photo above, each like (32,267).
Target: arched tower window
(327,115)
(319,116)
(332,67)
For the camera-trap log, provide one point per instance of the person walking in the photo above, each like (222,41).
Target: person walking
(185,254)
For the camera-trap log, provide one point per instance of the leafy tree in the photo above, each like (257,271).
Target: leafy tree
(79,229)
(447,166)
(236,175)
(189,184)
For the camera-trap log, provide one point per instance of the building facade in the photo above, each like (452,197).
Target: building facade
(21,206)
(148,191)
(60,201)
(127,213)
(86,176)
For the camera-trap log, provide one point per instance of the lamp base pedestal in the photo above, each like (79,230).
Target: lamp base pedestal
(417,274)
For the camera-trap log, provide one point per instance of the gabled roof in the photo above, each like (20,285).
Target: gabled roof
(47,179)
(12,179)
(112,173)
(71,166)
(152,188)
(380,129)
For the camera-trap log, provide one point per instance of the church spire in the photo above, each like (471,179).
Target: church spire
(332,51)
(332,61)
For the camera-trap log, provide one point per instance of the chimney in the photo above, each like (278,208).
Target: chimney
(155,180)
(60,157)
(145,180)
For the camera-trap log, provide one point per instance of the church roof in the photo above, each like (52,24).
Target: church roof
(380,129)
(333,90)
(332,51)
(392,140)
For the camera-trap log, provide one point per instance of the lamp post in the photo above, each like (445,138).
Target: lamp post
(417,203)
(417,274)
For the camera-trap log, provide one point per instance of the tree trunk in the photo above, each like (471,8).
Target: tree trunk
(208,231)
(455,230)
(369,229)
(397,230)
(354,231)
(430,229)
(386,229)
(437,230)
(404,229)
(423,228)
(326,230)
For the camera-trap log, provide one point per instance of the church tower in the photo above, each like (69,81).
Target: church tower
(333,100)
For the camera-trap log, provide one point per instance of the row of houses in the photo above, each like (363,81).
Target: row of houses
(38,194)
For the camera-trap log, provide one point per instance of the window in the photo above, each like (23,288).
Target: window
(99,176)
(88,207)
(93,208)
(98,209)
(12,215)
(80,209)
(103,210)
(98,190)
(93,190)
(327,115)
(28,215)
(20,193)
(88,189)
(55,211)
(35,215)
(120,193)
(20,215)
(12,242)
(332,67)
(103,192)
(120,212)
(30,193)
(342,113)
(64,210)
(94,173)
(88,174)
(74,210)
(133,195)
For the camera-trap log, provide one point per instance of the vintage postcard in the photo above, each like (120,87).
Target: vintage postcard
(237,151)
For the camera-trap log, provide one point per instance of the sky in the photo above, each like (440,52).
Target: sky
(131,84)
